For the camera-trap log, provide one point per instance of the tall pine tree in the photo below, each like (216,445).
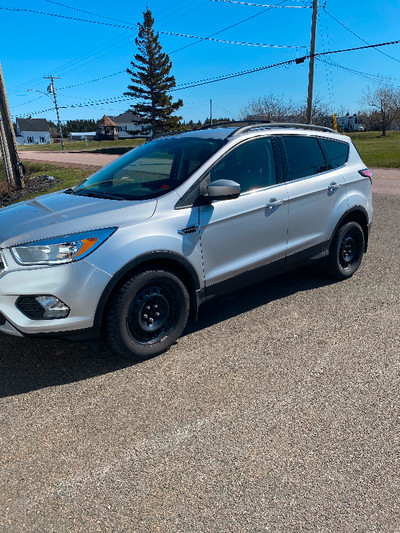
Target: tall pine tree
(151,80)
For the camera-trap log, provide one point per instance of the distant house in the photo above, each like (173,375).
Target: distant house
(32,131)
(349,123)
(106,129)
(130,125)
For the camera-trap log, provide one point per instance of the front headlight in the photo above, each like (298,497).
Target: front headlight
(65,249)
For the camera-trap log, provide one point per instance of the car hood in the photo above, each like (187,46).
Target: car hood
(61,213)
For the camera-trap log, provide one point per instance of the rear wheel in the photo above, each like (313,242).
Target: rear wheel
(347,250)
(147,314)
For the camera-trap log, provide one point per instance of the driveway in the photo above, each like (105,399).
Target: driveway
(277,411)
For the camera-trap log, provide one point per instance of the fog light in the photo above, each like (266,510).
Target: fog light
(53,307)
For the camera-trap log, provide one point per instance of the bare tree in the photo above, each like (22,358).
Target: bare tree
(271,107)
(276,109)
(386,101)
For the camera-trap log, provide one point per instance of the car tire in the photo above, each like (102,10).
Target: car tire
(147,314)
(346,251)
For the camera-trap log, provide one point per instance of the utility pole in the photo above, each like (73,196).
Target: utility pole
(13,166)
(52,89)
(211,119)
(312,61)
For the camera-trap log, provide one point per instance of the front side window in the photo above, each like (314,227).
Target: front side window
(251,164)
(304,156)
(151,170)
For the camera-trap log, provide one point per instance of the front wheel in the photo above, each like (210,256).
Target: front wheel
(347,250)
(147,314)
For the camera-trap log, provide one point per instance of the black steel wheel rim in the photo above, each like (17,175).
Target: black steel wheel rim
(349,250)
(151,314)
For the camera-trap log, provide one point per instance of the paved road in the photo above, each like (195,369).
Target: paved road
(386,181)
(87,159)
(278,411)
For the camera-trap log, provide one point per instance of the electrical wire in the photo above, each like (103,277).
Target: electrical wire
(261,5)
(371,77)
(231,42)
(92,81)
(216,79)
(355,34)
(164,32)
(225,29)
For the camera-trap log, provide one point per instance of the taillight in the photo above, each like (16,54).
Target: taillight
(367,173)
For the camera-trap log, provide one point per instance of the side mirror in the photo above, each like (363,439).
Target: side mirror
(223,190)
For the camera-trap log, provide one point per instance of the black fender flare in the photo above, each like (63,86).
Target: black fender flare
(354,213)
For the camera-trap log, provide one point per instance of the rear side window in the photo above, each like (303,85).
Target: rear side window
(336,153)
(304,156)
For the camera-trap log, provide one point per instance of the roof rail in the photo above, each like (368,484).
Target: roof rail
(245,129)
(232,124)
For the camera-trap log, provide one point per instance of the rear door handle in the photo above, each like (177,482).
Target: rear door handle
(333,186)
(274,203)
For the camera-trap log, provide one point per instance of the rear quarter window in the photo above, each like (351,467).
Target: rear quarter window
(336,153)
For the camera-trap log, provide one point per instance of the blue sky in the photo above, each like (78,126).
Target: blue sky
(33,45)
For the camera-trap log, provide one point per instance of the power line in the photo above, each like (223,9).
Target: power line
(19,9)
(356,35)
(92,81)
(215,79)
(232,42)
(262,5)
(28,102)
(164,32)
(225,29)
(372,77)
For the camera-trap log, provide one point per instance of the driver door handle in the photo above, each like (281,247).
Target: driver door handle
(274,203)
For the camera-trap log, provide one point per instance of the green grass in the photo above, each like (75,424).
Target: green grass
(94,146)
(378,151)
(68,176)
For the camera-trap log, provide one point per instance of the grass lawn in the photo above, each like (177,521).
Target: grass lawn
(95,146)
(68,176)
(378,151)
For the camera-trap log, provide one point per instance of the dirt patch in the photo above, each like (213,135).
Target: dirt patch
(34,186)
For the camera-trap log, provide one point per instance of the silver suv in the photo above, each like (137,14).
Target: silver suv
(136,248)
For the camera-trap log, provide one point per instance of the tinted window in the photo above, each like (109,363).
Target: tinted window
(304,156)
(152,169)
(251,164)
(336,153)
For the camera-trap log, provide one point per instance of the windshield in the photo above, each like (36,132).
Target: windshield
(150,170)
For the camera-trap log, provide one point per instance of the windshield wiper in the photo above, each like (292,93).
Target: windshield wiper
(97,194)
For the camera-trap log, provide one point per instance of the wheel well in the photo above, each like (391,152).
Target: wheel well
(165,263)
(361,218)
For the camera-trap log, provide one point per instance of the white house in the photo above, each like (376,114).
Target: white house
(349,123)
(129,122)
(32,131)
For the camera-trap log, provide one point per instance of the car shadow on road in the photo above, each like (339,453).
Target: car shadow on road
(29,364)
(226,307)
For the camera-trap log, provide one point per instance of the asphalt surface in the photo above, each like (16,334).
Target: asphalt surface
(278,411)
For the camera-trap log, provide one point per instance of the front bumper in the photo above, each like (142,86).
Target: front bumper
(79,285)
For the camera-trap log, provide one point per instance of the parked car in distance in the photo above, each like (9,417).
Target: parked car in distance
(132,251)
